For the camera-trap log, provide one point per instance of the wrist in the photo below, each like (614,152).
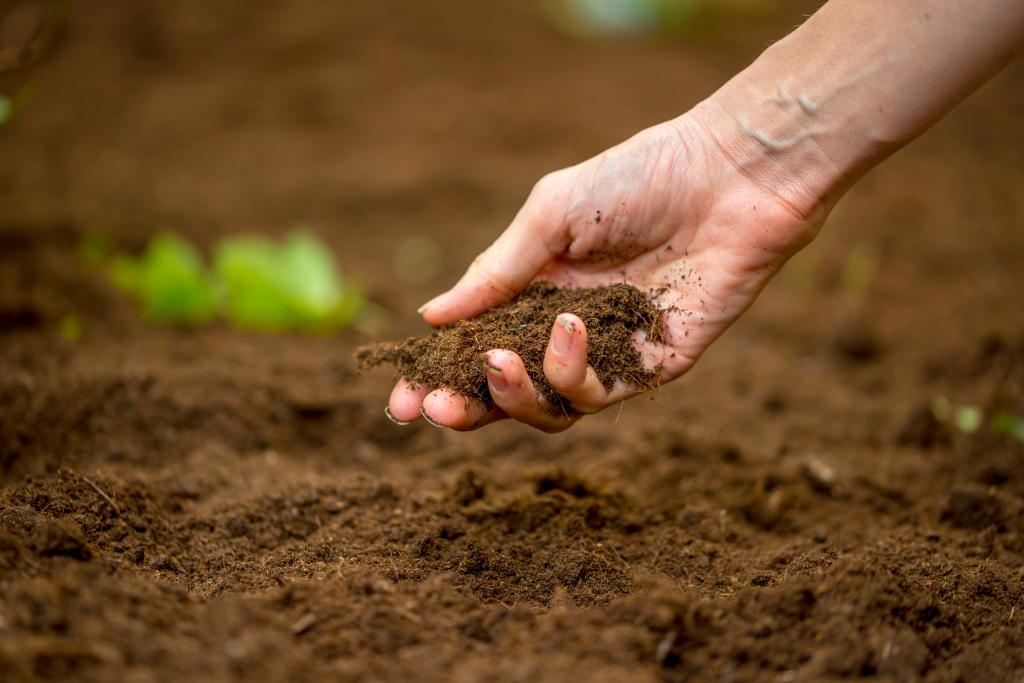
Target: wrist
(802,122)
(778,148)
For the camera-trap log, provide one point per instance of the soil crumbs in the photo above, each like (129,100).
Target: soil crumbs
(453,357)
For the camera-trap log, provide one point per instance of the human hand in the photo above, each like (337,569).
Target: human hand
(666,211)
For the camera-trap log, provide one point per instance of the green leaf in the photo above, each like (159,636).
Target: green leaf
(276,287)
(10,106)
(169,281)
(1009,424)
(968,418)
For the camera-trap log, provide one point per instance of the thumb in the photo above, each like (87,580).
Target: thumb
(503,270)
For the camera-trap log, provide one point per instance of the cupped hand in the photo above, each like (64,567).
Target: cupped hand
(666,211)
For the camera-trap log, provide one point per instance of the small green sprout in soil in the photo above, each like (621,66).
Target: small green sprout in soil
(453,356)
(970,418)
(12,105)
(255,283)
(1009,424)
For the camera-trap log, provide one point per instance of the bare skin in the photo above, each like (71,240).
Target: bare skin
(706,208)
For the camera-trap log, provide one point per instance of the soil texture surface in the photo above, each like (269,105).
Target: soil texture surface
(454,357)
(218,505)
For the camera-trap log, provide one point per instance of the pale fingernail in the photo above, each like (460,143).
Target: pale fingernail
(430,420)
(561,335)
(495,376)
(390,416)
(427,305)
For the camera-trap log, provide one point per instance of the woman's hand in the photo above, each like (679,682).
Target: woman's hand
(666,211)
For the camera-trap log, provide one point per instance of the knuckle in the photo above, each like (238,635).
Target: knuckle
(546,185)
(562,384)
(489,281)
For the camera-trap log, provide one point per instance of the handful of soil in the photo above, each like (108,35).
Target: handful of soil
(453,356)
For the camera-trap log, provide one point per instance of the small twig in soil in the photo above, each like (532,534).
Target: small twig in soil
(103,494)
(304,623)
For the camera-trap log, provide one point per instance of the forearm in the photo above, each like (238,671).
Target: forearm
(860,79)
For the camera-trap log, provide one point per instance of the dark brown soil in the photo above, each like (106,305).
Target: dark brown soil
(216,505)
(454,357)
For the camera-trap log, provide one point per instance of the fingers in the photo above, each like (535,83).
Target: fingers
(566,369)
(440,407)
(513,392)
(405,401)
(445,408)
(503,269)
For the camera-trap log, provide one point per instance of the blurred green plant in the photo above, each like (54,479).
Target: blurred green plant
(11,106)
(49,25)
(966,418)
(70,328)
(589,18)
(969,418)
(255,282)
(288,286)
(1008,424)
(169,280)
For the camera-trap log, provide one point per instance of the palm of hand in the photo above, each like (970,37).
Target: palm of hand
(663,211)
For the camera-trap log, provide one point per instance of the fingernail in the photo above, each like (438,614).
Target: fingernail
(427,305)
(562,334)
(495,376)
(430,420)
(390,416)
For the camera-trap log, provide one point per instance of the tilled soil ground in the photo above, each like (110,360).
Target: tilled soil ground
(218,505)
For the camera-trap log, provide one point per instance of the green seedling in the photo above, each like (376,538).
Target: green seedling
(169,280)
(10,106)
(1008,424)
(969,418)
(289,286)
(966,418)
(255,282)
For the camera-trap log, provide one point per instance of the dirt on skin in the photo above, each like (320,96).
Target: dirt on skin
(454,357)
(216,505)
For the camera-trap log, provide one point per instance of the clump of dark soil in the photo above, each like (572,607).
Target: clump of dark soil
(453,356)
